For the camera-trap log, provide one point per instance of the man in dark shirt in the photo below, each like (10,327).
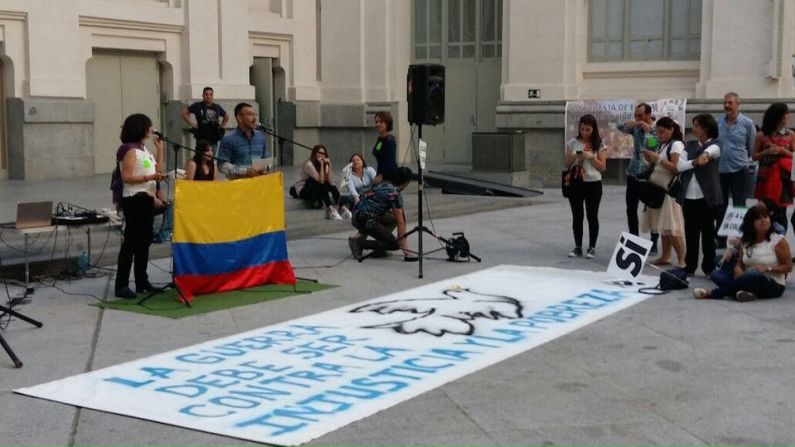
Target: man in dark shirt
(206,114)
(377,213)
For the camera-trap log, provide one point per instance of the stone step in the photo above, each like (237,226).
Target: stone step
(60,252)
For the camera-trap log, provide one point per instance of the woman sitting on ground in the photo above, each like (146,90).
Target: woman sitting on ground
(762,265)
(202,166)
(359,180)
(315,184)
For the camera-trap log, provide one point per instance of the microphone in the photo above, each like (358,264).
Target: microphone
(157,132)
(261,126)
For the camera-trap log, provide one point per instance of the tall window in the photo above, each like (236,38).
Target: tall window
(427,29)
(457,29)
(622,30)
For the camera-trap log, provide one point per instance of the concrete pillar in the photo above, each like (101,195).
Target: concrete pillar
(540,48)
(216,48)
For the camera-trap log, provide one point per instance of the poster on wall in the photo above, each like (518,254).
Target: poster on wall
(610,114)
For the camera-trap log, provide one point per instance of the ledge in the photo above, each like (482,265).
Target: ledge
(642,69)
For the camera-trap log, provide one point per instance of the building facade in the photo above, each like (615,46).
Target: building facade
(70,71)
(639,49)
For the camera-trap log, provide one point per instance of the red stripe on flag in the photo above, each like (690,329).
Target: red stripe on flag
(280,272)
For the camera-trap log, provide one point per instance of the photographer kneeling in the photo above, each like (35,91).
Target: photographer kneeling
(378,212)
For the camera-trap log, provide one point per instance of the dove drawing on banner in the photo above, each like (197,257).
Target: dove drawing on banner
(453,313)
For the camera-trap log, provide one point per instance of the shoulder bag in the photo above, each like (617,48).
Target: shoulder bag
(570,179)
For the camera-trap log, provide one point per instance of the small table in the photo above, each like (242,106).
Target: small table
(27,232)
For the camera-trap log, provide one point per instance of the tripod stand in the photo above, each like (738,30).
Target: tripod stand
(5,310)
(172,284)
(420,228)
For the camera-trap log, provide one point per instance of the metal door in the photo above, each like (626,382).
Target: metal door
(465,37)
(120,84)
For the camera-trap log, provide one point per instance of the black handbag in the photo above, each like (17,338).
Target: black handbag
(650,194)
(674,279)
(570,179)
(671,279)
(674,186)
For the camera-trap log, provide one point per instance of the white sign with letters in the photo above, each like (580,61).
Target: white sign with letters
(629,256)
(423,149)
(292,382)
(732,221)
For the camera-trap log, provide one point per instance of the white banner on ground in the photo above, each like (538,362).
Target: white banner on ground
(292,382)
(609,114)
(629,256)
(732,221)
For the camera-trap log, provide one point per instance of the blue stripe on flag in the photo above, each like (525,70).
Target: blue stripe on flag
(228,257)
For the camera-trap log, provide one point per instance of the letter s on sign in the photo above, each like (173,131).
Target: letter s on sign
(628,259)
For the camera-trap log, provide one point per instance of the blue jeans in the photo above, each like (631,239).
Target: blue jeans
(166,228)
(755,282)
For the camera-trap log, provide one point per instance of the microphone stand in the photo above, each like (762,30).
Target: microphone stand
(281,140)
(7,310)
(172,285)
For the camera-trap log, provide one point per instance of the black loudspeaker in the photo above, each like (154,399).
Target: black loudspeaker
(425,94)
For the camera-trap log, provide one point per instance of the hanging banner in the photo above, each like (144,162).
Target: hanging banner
(292,382)
(230,235)
(610,114)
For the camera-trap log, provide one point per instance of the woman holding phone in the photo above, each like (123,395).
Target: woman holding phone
(587,154)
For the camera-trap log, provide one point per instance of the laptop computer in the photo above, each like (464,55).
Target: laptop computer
(34,214)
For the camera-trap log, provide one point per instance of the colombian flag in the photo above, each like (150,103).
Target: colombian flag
(230,235)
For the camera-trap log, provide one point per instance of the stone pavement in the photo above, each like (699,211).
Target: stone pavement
(671,370)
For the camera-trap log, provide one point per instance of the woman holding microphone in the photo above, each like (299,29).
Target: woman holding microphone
(140,172)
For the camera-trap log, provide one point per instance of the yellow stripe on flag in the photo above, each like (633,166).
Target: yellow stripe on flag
(209,212)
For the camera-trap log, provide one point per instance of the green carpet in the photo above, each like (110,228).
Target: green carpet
(166,304)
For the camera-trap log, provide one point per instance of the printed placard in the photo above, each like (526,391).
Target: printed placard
(629,256)
(732,221)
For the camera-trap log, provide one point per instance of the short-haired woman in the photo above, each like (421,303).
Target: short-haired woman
(385,148)
(700,193)
(140,172)
(762,266)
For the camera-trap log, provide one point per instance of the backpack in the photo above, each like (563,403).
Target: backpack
(116,183)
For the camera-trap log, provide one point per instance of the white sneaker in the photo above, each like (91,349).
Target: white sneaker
(333,214)
(346,213)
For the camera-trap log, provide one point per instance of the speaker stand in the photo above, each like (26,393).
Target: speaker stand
(420,228)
